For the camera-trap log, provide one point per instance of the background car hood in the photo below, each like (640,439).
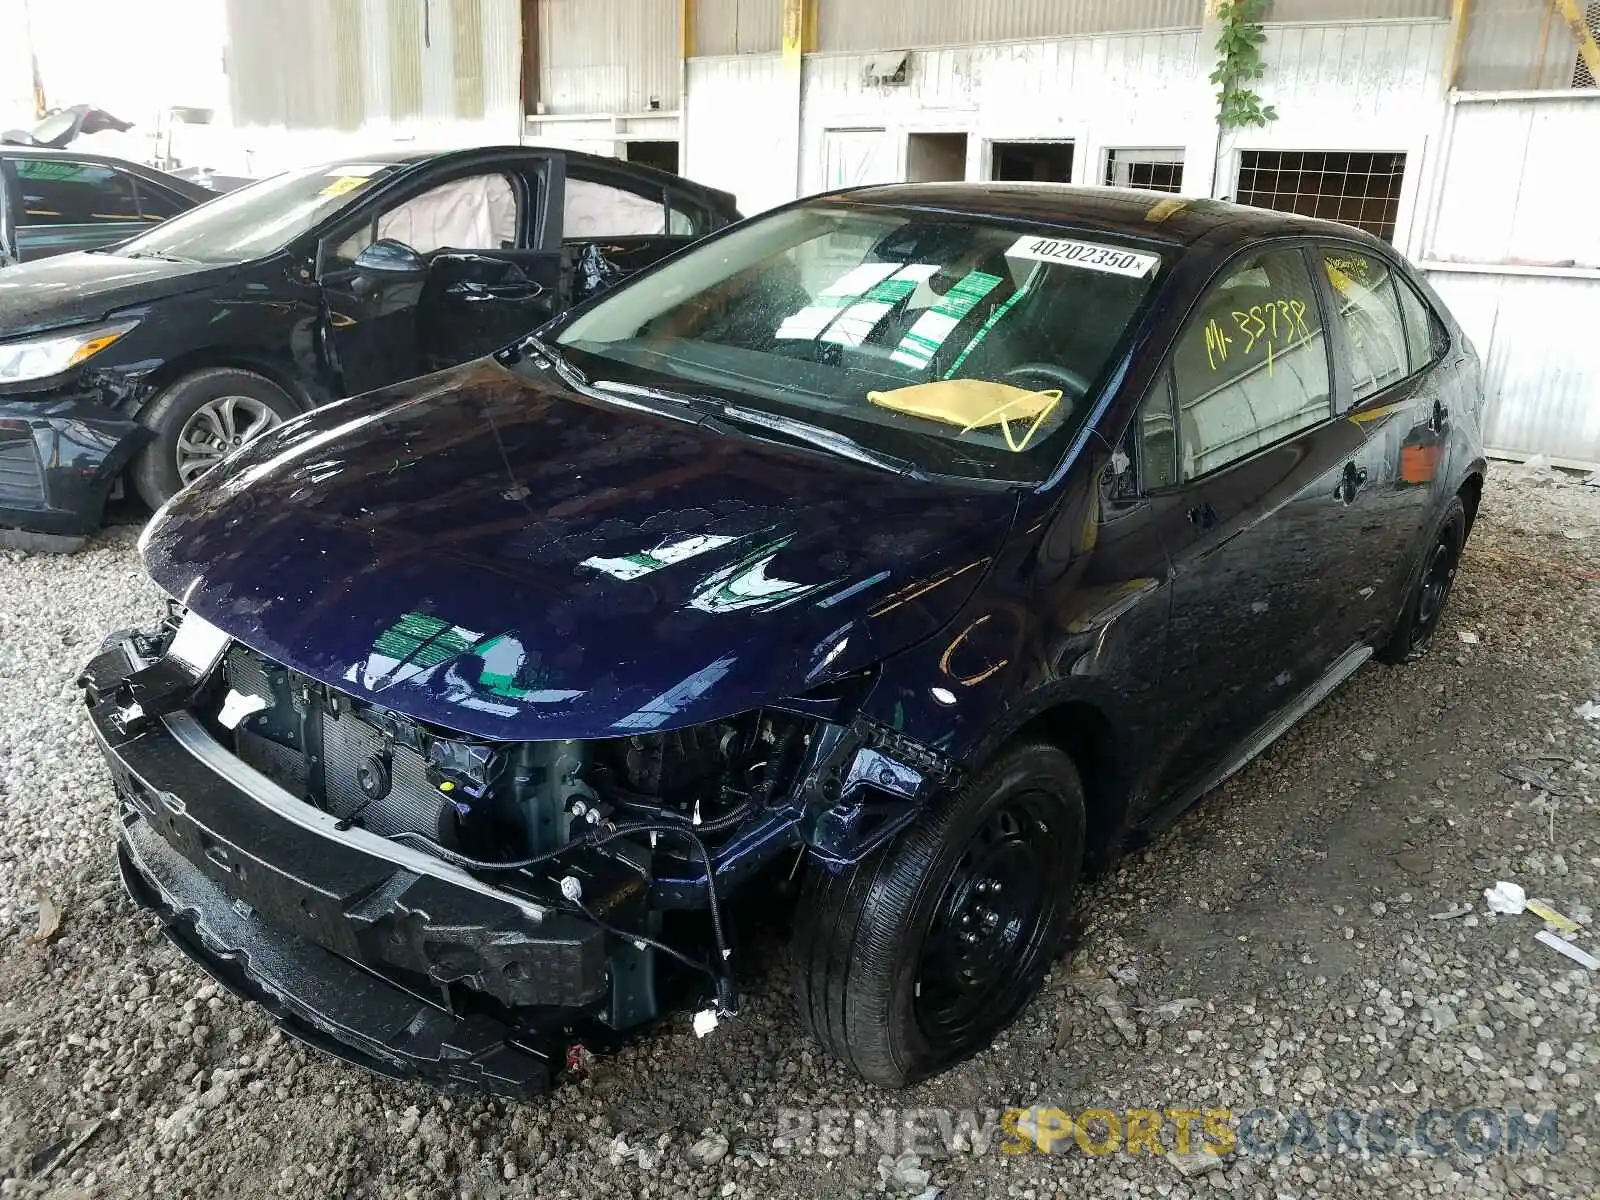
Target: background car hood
(70,289)
(502,557)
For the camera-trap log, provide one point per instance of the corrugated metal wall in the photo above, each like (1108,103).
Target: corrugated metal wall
(1517,44)
(608,56)
(738,26)
(742,118)
(350,65)
(858,25)
(1358,10)
(1515,220)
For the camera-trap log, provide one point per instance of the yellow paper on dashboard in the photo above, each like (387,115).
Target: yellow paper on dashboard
(974,404)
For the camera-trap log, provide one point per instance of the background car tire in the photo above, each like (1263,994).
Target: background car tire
(1430,587)
(156,473)
(868,942)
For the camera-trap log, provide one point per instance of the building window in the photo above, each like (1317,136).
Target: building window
(1152,170)
(1359,188)
(1036,162)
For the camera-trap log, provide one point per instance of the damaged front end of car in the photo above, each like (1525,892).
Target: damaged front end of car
(436,905)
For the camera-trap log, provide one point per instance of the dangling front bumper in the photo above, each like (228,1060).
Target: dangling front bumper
(375,952)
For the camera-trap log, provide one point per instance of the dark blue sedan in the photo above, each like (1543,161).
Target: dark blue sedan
(922,543)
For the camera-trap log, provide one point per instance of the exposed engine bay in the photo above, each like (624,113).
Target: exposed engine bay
(640,835)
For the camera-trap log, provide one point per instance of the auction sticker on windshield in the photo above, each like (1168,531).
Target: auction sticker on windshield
(1088,255)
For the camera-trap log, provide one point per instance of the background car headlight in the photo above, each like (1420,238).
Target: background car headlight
(40,358)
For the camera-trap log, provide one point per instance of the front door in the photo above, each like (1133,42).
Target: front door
(1268,560)
(480,280)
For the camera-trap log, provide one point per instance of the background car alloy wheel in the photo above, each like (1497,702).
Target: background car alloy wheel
(197,421)
(216,430)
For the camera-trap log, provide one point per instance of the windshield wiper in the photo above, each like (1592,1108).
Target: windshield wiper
(156,254)
(570,374)
(824,439)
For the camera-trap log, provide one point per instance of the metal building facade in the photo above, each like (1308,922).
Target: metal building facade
(309,78)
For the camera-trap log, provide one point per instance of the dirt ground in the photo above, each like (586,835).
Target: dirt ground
(1312,936)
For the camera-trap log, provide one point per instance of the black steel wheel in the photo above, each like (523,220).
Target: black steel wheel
(915,960)
(1430,588)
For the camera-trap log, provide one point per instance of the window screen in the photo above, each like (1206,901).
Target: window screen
(1360,189)
(1365,303)
(1251,367)
(1152,170)
(60,192)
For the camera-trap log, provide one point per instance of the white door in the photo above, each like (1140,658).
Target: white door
(855,157)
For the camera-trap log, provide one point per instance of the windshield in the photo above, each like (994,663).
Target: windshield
(259,219)
(964,345)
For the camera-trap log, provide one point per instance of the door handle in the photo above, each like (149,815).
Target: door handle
(1202,516)
(1350,483)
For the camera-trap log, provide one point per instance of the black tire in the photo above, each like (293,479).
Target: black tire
(156,474)
(1429,589)
(866,941)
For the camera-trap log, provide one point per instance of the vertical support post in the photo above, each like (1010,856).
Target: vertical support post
(799,38)
(686,40)
(1460,20)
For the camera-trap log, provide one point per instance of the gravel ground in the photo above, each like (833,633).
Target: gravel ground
(1280,946)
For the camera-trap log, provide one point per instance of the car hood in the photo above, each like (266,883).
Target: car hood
(505,558)
(70,289)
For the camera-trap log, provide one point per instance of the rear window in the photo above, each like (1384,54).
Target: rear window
(966,345)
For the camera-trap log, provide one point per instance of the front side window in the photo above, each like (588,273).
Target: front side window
(158,204)
(58,191)
(475,213)
(1365,303)
(953,341)
(1251,366)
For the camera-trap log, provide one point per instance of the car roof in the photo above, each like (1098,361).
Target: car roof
(414,157)
(1131,212)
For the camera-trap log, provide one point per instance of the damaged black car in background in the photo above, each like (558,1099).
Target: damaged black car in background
(148,361)
(921,543)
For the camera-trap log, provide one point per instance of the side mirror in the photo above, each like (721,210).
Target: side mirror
(392,260)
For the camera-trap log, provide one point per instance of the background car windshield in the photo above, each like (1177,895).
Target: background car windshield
(966,346)
(259,219)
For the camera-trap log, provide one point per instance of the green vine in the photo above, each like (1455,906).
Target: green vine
(1239,64)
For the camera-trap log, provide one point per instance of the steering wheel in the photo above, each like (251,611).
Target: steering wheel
(1073,385)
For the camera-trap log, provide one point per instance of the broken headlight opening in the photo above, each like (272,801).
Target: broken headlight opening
(640,837)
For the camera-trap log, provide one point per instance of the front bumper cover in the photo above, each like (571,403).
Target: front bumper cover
(349,950)
(60,452)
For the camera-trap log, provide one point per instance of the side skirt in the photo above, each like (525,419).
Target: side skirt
(1275,727)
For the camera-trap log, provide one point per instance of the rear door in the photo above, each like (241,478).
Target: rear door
(1399,404)
(1267,565)
(493,271)
(616,221)
(66,204)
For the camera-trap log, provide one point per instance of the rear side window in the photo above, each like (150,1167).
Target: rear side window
(1368,309)
(1251,366)
(598,210)
(61,192)
(157,204)
(1426,339)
